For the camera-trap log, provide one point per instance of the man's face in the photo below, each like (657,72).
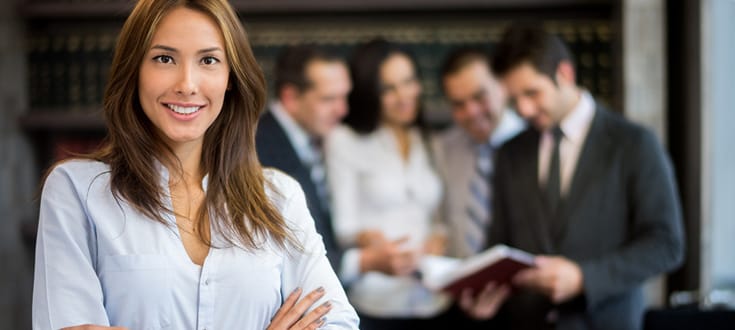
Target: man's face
(319,108)
(476,99)
(537,98)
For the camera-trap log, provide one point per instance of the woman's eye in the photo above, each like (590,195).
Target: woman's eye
(209,60)
(165,59)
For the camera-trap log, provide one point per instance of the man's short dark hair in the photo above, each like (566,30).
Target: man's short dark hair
(529,44)
(293,61)
(461,57)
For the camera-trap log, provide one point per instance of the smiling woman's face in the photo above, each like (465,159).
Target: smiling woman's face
(400,90)
(184,76)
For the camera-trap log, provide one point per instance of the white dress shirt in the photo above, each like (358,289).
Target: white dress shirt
(374,188)
(575,127)
(456,159)
(100,261)
(298,137)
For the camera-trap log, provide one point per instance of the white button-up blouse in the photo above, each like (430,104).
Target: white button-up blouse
(100,261)
(374,188)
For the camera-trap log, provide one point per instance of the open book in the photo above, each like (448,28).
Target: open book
(497,264)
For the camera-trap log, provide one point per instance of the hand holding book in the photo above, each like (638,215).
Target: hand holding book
(485,304)
(557,277)
(498,265)
(480,283)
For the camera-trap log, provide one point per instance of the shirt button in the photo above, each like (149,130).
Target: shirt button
(206,282)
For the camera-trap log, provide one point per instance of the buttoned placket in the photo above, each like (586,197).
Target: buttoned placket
(207,289)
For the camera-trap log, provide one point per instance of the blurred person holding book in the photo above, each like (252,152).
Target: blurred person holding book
(464,153)
(385,189)
(173,223)
(589,192)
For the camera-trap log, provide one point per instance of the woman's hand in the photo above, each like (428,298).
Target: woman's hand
(389,257)
(366,238)
(291,314)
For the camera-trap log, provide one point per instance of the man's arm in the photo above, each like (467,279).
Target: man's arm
(656,243)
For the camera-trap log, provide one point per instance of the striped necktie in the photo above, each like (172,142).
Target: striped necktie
(318,172)
(480,199)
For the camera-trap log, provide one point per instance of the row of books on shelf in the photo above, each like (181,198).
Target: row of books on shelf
(67,70)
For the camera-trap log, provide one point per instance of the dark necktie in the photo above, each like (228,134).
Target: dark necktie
(553,181)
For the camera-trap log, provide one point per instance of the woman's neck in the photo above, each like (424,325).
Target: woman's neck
(403,138)
(189,157)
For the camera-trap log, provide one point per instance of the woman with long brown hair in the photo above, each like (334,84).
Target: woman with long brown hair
(173,223)
(385,189)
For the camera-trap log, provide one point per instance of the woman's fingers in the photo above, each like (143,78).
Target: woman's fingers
(315,318)
(292,310)
(295,313)
(287,305)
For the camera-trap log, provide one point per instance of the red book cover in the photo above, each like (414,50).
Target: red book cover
(498,264)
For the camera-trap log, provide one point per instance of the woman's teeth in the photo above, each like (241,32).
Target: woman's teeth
(183,110)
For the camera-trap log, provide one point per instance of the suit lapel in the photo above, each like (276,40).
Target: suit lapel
(591,164)
(282,155)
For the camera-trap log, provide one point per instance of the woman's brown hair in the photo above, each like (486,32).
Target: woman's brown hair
(235,195)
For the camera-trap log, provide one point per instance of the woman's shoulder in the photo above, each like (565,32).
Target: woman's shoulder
(79,169)
(343,140)
(279,186)
(285,192)
(75,174)
(343,134)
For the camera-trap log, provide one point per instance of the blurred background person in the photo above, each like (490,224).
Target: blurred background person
(589,192)
(384,188)
(312,85)
(464,156)
(465,152)
(311,90)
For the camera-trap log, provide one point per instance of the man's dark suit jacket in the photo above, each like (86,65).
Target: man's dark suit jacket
(275,150)
(620,221)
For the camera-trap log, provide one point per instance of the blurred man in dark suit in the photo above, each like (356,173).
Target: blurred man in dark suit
(589,192)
